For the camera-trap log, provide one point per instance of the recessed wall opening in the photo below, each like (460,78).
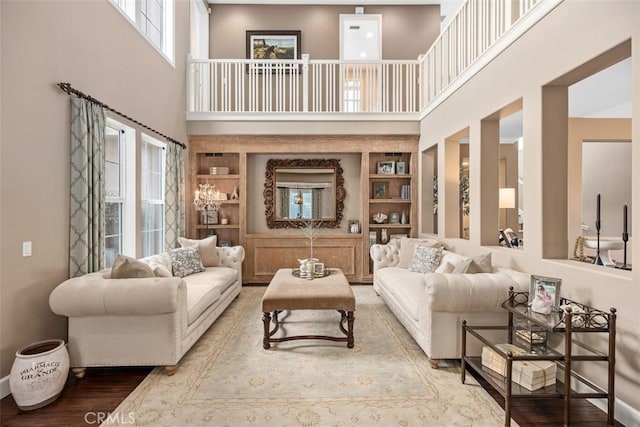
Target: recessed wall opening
(511,181)
(600,134)
(430,190)
(500,144)
(457,187)
(591,103)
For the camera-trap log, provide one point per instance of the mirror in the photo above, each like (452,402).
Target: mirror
(299,190)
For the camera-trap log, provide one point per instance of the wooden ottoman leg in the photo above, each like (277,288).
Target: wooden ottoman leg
(350,320)
(266,320)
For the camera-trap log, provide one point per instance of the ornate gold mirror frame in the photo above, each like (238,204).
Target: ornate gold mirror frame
(270,189)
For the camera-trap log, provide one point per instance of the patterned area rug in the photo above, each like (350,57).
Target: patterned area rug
(228,379)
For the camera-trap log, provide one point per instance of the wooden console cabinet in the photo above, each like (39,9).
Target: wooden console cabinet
(267,253)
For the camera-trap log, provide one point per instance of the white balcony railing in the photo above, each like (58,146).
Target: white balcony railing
(291,86)
(480,30)
(480,27)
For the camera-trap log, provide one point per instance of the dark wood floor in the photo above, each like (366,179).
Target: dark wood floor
(101,390)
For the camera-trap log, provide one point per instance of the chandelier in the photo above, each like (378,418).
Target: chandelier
(207,199)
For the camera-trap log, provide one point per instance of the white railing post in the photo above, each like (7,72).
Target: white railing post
(305,82)
(419,81)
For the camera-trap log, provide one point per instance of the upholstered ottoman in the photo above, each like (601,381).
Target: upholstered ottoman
(287,292)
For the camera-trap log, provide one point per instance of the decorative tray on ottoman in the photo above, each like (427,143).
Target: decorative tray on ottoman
(325,273)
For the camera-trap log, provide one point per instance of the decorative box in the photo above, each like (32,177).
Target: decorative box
(530,374)
(529,336)
(219,170)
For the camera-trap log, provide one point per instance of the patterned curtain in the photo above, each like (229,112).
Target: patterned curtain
(87,201)
(174,222)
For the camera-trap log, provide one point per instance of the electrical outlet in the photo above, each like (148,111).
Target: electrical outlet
(26,248)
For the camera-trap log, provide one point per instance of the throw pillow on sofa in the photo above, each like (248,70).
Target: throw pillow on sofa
(425,259)
(208,250)
(408,247)
(125,267)
(159,263)
(450,260)
(481,264)
(186,261)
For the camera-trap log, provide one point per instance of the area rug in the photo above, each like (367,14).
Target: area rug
(228,379)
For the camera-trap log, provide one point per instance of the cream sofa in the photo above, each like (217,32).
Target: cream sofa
(144,321)
(432,306)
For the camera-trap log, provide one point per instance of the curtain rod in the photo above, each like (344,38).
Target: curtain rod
(67,88)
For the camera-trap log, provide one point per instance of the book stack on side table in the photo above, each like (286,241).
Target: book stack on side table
(532,375)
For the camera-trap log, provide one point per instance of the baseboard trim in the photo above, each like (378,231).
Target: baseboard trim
(5,390)
(624,413)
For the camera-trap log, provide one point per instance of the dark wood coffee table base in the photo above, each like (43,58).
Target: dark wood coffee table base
(288,293)
(344,316)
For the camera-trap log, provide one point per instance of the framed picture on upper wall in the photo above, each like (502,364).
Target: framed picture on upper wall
(273,45)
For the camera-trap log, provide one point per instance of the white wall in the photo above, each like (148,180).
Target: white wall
(92,46)
(606,170)
(572,34)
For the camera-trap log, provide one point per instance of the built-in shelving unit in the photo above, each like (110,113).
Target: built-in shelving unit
(269,249)
(392,194)
(202,160)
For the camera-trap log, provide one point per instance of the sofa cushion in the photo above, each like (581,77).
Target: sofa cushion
(223,277)
(159,263)
(199,297)
(425,260)
(445,267)
(462,267)
(125,267)
(205,288)
(408,246)
(208,249)
(405,286)
(161,270)
(391,278)
(452,258)
(185,261)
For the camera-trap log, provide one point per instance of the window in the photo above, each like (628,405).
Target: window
(154,20)
(300,203)
(352,93)
(114,186)
(152,177)
(124,234)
